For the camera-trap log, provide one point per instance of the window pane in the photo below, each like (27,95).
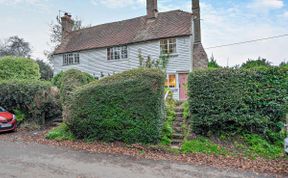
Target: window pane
(124,52)
(172,81)
(116,54)
(109,54)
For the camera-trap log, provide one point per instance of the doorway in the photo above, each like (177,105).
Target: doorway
(183,80)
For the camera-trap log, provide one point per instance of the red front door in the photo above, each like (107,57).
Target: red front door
(183,80)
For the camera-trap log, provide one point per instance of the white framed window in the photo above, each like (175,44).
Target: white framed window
(116,53)
(71,59)
(168,46)
(171,81)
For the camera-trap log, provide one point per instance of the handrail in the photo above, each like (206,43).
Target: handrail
(166,95)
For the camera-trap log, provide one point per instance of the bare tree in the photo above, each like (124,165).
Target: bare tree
(15,46)
(56,33)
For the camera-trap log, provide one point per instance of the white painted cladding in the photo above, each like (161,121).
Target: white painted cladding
(95,61)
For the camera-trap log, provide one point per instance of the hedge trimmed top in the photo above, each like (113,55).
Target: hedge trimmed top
(17,68)
(239,101)
(126,107)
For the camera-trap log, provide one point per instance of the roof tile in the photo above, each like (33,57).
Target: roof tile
(140,29)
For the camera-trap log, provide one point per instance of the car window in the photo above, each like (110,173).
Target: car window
(2,109)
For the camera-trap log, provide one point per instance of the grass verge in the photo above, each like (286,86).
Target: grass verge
(60,133)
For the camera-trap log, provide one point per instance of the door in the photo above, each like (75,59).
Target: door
(183,80)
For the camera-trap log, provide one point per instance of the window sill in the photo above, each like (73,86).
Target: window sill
(118,60)
(70,64)
(170,55)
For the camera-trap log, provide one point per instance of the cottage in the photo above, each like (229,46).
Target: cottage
(115,47)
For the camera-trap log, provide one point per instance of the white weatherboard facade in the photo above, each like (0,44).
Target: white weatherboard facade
(95,61)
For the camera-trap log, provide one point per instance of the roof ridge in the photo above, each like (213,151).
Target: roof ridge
(87,28)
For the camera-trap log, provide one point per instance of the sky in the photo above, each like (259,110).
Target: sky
(223,22)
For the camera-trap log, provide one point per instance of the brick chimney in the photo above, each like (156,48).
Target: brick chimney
(67,25)
(200,58)
(196,20)
(152,9)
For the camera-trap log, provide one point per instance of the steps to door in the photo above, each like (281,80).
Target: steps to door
(178,136)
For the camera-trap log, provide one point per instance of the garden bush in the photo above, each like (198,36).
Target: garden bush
(56,80)
(167,130)
(17,68)
(36,100)
(70,80)
(238,101)
(126,107)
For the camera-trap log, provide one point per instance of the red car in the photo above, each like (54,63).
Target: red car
(7,121)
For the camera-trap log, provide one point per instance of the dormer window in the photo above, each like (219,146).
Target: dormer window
(71,59)
(117,53)
(168,46)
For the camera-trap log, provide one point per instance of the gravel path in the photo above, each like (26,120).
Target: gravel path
(23,160)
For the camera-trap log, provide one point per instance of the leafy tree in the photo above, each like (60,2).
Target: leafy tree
(15,46)
(284,64)
(45,70)
(259,63)
(212,64)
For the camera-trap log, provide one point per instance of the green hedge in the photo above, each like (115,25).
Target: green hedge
(70,80)
(238,101)
(126,107)
(36,99)
(17,68)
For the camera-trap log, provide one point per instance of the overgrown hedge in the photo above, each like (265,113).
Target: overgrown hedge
(238,101)
(17,68)
(37,99)
(126,107)
(70,80)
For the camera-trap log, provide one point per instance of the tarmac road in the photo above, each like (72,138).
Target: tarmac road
(28,160)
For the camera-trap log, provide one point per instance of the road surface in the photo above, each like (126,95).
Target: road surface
(26,160)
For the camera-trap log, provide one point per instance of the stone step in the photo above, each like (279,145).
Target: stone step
(178,129)
(179,119)
(179,114)
(177,124)
(178,136)
(179,110)
(176,142)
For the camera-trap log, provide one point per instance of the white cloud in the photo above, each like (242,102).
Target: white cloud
(229,25)
(285,14)
(265,5)
(118,3)
(10,2)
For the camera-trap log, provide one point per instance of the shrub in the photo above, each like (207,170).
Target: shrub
(35,100)
(167,130)
(56,80)
(70,80)
(126,107)
(18,68)
(238,101)
(46,70)
(260,63)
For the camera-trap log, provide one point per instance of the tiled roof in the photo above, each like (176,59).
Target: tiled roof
(140,29)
